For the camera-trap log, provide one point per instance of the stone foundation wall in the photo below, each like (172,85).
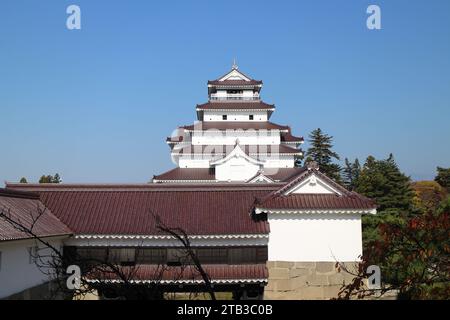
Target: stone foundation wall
(305,280)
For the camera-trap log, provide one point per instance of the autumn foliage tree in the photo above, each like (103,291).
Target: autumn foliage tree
(428,194)
(414,254)
(409,238)
(443,177)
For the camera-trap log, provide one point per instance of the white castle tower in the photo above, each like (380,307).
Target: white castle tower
(233,139)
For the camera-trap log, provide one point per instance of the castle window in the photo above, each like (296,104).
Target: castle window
(224,117)
(151,255)
(212,255)
(123,256)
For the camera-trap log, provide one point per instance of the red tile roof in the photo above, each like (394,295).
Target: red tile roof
(250,105)
(237,83)
(199,210)
(283,174)
(217,273)
(226,149)
(288,137)
(191,174)
(235,125)
(345,200)
(206,174)
(317,202)
(25,208)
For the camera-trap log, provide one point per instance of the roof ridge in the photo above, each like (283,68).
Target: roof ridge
(18,194)
(150,187)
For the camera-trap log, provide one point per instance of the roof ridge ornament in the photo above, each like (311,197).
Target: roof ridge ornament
(312,165)
(234,66)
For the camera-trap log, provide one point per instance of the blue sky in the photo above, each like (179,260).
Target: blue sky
(96,104)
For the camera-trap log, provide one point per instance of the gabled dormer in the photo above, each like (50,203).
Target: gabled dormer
(312,181)
(236,166)
(260,177)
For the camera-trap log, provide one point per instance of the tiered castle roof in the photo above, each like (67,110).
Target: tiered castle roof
(234,117)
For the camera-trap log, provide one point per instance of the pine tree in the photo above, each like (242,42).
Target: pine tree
(23,180)
(382,180)
(350,173)
(320,152)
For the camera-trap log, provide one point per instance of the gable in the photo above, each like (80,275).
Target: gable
(237,153)
(236,166)
(312,185)
(234,75)
(260,178)
(236,169)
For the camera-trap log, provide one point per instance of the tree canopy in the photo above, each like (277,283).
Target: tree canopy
(50,179)
(408,238)
(428,195)
(383,181)
(350,174)
(443,177)
(320,151)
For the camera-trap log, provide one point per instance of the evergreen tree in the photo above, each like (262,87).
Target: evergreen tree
(383,181)
(443,177)
(50,179)
(320,152)
(56,178)
(350,173)
(356,171)
(23,180)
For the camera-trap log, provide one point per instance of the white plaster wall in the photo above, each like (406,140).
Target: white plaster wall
(16,272)
(236,169)
(281,162)
(223,93)
(248,137)
(319,237)
(247,93)
(242,116)
(204,162)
